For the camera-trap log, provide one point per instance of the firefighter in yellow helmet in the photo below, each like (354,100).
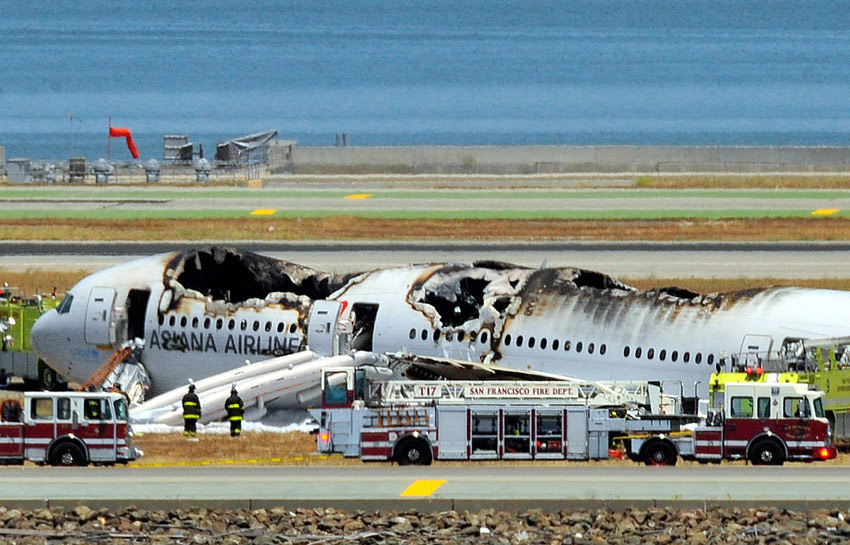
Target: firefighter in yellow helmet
(235,409)
(191,412)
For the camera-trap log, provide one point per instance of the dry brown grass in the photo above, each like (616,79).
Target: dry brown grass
(781,181)
(352,228)
(41,281)
(298,448)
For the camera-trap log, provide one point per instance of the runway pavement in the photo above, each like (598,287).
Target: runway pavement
(634,260)
(438,487)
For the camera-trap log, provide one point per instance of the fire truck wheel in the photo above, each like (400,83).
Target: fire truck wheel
(767,453)
(659,453)
(67,454)
(413,452)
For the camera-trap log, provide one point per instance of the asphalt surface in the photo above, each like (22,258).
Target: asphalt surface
(627,259)
(382,486)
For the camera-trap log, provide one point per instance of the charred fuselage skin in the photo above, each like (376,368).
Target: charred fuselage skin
(212,308)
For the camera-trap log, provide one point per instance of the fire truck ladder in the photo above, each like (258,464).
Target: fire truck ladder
(98,377)
(594,394)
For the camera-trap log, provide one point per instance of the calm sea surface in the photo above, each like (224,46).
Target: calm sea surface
(423,72)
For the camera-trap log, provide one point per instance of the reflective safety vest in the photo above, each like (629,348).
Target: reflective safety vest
(234,407)
(191,406)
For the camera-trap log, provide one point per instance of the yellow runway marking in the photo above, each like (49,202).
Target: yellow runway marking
(263,211)
(356,196)
(825,212)
(422,488)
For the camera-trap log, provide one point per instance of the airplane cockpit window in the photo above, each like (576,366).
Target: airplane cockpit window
(65,305)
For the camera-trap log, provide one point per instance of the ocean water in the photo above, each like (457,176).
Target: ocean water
(452,72)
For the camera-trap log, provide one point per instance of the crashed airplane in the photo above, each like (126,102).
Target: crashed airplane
(209,310)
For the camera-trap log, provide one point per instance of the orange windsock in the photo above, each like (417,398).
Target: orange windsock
(118,132)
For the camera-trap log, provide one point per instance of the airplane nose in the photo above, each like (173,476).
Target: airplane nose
(50,341)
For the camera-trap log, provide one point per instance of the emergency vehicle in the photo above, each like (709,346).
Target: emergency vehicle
(415,422)
(821,363)
(65,428)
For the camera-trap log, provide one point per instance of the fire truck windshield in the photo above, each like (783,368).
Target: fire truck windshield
(120,410)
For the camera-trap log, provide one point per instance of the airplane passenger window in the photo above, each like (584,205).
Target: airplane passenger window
(507,340)
(450,336)
(172,320)
(460,336)
(160,319)
(675,355)
(650,353)
(531,342)
(484,337)
(555,344)
(424,335)
(578,346)
(687,357)
(268,326)
(256,325)
(183,321)
(436,335)
(281,325)
(638,351)
(662,355)
(195,321)
(413,333)
(543,343)
(590,348)
(710,359)
(698,358)
(243,325)
(519,340)
(626,351)
(231,323)
(207,323)
(602,349)
(567,345)
(292,328)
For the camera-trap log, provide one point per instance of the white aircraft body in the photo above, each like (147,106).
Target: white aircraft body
(206,311)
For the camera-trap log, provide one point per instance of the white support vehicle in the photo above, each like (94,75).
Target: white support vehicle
(416,422)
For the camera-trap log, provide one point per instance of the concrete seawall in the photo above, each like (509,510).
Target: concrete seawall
(554,159)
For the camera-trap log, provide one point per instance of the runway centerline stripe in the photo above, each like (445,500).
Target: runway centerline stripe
(422,488)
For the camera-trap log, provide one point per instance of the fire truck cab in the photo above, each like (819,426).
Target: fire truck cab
(766,424)
(65,428)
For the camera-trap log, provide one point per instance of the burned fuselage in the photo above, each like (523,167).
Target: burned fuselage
(208,310)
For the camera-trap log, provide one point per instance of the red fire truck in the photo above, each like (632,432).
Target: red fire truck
(415,422)
(65,428)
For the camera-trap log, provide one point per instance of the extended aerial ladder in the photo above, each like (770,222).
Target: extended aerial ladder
(117,358)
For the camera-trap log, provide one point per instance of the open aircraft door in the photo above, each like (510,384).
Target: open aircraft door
(322,329)
(755,349)
(99,316)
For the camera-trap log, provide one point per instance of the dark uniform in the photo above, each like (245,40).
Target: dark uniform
(191,412)
(235,410)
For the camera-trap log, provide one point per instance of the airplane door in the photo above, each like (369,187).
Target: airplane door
(322,327)
(99,315)
(755,349)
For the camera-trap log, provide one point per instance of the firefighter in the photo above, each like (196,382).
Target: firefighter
(191,412)
(235,409)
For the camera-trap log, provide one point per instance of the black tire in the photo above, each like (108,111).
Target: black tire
(659,453)
(48,378)
(767,453)
(67,455)
(414,452)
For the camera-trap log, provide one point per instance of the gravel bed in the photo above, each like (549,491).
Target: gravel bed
(331,527)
